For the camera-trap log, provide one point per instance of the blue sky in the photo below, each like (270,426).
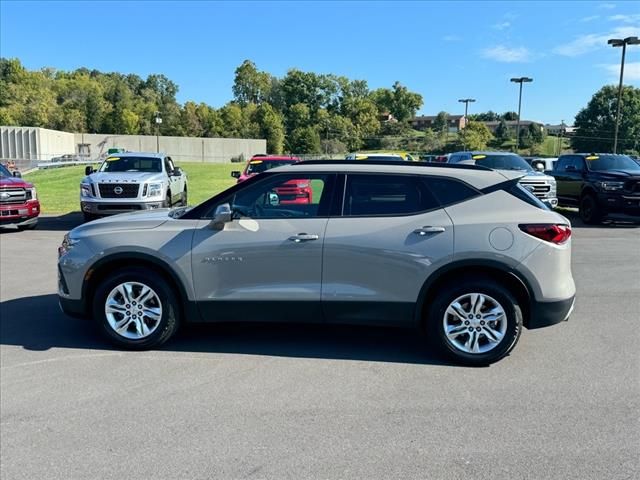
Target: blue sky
(445,51)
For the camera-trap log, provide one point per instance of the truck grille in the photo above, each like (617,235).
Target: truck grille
(119,190)
(12,195)
(539,189)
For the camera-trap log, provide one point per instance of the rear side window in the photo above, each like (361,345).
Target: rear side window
(374,195)
(448,191)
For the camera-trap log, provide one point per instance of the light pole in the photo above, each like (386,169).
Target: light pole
(621,42)
(158,119)
(520,80)
(466,102)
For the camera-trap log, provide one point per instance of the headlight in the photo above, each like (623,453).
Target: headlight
(609,186)
(155,190)
(85,190)
(67,245)
(32,194)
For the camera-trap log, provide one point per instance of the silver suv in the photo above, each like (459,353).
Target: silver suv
(541,185)
(132,181)
(463,252)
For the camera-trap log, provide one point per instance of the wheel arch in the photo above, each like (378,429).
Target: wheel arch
(102,268)
(497,271)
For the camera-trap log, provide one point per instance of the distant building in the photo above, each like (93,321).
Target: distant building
(455,123)
(512,124)
(565,130)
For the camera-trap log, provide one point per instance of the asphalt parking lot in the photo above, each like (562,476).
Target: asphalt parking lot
(250,401)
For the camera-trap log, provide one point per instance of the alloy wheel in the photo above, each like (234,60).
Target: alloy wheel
(133,310)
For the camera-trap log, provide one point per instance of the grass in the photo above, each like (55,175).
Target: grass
(59,188)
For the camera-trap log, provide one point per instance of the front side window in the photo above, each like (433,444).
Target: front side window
(375,195)
(131,164)
(259,166)
(283,196)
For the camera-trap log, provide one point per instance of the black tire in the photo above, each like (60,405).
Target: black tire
(435,316)
(169,321)
(590,211)
(185,197)
(167,201)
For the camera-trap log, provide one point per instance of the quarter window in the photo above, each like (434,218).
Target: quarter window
(374,195)
(449,191)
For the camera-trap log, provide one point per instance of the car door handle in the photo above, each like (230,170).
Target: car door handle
(303,237)
(427,230)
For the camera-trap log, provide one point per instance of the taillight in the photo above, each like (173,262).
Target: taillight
(549,232)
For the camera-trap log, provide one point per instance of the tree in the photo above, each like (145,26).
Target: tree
(489,116)
(510,116)
(596,122)
(432,140)
(398,101)
(304,140)
(251,85)
(475,136)
(441,123)
(271,128)
(503,132)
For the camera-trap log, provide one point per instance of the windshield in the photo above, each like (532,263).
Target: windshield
(611,162)
(131,164)
(259,166)
(502,162)
(4,172)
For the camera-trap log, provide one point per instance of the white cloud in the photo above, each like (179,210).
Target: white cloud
(502,25)
(590,18)
(631,71)
(500,53)
(451,38)
(607,6)
(632,18)
(592,41)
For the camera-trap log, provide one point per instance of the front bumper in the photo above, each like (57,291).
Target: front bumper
(620,203)
(19,215)
(113,208)
(545,314)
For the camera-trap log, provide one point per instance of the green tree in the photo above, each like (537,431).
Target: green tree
(510,116)
(271,128)
(251,85)
(441,123)
(489,116)
(503,132)
(432,140)
(304,140)
(398,101)
(596,122)
(476,136)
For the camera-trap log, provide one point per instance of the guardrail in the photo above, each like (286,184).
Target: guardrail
(44,165)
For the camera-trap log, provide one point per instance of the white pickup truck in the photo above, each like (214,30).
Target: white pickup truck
(131,181)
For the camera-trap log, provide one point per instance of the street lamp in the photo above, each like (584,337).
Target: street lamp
(158,120)
(466,102)
(621,42)
(520,80)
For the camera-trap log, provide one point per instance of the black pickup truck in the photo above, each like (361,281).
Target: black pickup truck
(598,184)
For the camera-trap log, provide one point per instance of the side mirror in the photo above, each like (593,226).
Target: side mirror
(177,171)
(235,174)
(17,174)
(221,216)
(88,170)
(539,166)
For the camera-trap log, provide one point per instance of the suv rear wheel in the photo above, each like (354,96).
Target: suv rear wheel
(136,309)
(475,323)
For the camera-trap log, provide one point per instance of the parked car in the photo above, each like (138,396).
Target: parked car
(19,205)
(541,185)
(69,157)
(132,181)
(376,156)
(296,191)
(463,252)
(598,184)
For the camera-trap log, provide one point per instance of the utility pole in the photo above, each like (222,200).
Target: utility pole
(158,120)
(466,102)
(520,80)
(621,42)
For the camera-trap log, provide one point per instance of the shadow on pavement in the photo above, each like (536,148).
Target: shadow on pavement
(58,223)
(36,323)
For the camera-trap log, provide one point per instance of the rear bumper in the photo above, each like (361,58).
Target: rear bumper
(545,314)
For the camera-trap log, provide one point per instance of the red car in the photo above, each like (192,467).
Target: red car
(19,205)
(294,191)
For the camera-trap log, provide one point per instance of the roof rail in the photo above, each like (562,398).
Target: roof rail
(459,166)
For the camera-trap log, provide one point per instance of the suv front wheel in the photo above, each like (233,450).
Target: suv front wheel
(590,211)
(136,309)
(476,322)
